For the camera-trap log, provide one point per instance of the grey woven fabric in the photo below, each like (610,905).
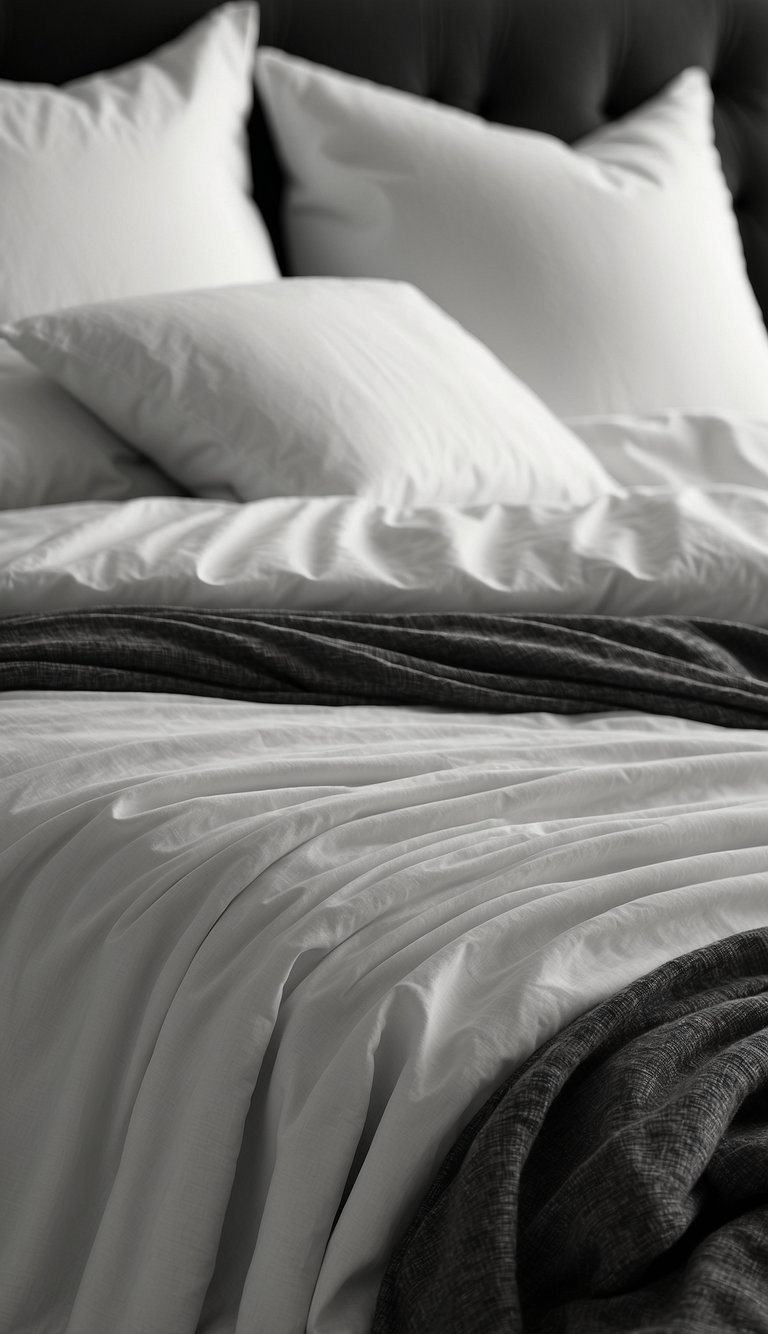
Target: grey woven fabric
(711,671)
(618,1181)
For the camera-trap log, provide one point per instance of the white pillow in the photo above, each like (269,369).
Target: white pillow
(313,387)
(53,451)
(133,181)
(610,277)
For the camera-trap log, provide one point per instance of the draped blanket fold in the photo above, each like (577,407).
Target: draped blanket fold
(618,1181)
(710,671)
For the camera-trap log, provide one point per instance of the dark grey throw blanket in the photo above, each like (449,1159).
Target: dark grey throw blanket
(618,1181)
(711,671)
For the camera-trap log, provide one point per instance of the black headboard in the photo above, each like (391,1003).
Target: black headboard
(564,66)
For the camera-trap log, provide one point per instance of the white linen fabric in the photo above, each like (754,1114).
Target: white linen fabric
(674,449)
(136,180)
(610,276)
(259,965)
(313,387)
(53,451)
(653,551)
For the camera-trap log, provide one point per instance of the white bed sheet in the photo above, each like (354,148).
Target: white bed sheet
(679,449)
(361,920)
(354,922)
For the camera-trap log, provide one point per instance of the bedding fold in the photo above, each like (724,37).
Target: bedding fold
(617,1181)
(653,552)
(704,670)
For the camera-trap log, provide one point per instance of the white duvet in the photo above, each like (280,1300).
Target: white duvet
(260,964)
(694,551)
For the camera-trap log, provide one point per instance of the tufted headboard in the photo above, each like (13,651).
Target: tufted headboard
(563,66)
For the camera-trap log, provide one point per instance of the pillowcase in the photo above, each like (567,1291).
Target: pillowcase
(53,451)
(133,181)
(313,387)
(610,277)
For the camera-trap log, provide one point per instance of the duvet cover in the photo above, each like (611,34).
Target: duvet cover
(335,836)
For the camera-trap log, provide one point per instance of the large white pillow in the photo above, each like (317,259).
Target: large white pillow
(313,387)
(53,451)
(136,180)
(609,276)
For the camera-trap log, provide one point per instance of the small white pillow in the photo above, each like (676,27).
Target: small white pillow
(313,387)
(133,181)
(610,277)
(53,451)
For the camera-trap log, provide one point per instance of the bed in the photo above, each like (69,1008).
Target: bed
(384,666)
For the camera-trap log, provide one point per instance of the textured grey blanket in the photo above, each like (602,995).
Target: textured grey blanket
(711,671)
(618,1181)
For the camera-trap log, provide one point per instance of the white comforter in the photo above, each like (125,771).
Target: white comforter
(260,964)
(692,552)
